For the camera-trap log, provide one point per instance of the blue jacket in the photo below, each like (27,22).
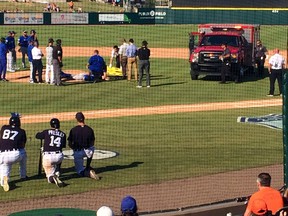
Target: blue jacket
(29,52)
(97,64)
(23,41)
(3,51)
(10,42)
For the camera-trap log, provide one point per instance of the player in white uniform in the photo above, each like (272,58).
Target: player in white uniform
(12,137)
(54,141)
(49,75)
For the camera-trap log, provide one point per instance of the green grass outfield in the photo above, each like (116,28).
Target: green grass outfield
(168,36)
(152,148)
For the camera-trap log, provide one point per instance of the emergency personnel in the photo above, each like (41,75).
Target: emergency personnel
(225,58)
(12,138)
(54,141)
(81,139)
(276,66)
(260,56)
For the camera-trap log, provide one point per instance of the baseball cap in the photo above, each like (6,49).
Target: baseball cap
(128,204)
(144,43)
(259,207)
(105,211)
(80,117)
(24,31)
(50,40)
(32,31)
(2,39)
(12,32)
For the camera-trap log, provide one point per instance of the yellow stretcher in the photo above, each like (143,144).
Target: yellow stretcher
(114,72)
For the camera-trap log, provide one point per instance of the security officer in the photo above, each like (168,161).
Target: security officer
(144,64)
(260,56)
(226,59)
(57,62)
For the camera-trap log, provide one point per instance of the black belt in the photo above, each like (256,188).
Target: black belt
(52,152)
(9,150)
(78,149)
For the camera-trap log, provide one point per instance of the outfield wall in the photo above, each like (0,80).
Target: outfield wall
(152,16)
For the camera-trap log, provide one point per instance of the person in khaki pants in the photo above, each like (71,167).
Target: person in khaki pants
(131,53)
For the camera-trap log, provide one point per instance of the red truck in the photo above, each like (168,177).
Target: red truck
(240,39)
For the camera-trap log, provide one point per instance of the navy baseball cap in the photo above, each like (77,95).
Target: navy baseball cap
(12,32)
(32,31)
(80,117)
(128,204)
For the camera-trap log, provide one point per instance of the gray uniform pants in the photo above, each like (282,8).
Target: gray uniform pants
(144,65)
(57,71)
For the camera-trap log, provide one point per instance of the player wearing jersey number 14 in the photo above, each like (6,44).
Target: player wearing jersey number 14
(54,141)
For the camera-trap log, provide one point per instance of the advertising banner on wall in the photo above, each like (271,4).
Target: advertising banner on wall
(113,19)
(23,18)
(69,18)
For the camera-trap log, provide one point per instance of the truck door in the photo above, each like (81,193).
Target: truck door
(247,49)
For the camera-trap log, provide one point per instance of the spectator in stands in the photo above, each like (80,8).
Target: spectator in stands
(270,196)
(71,6)
(129,206)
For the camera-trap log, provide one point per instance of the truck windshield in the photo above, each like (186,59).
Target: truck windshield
(217,40)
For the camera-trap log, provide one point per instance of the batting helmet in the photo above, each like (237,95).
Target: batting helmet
(55,123)
(15,121)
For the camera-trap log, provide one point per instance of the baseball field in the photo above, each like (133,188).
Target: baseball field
(178,143)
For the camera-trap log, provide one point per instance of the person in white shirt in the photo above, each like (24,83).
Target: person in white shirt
(276,66)
(49,75)
(123,57)
(37,63)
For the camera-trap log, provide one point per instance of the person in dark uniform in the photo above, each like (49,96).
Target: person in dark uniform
(12,137)
(225,58)
(57,62)
(54,141)
(81,140)
(260,56)
(23,43)
(144,64)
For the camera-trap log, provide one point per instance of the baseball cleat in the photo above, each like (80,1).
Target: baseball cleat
(93,175)
(5,184)
(57,181)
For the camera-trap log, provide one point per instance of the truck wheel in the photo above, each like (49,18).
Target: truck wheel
(194,75)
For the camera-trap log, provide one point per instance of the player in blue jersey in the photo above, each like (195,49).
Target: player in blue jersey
(11,56)
(23,43)
(3,59)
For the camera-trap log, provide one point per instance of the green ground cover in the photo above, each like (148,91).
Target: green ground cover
(151,148)
(168,36)
(158,148)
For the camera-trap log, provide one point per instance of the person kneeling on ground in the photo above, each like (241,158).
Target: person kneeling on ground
(97,67)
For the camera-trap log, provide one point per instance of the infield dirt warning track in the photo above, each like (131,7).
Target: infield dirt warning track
(157,110)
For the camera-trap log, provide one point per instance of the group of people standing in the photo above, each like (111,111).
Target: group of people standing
(275,67)
(131,58)
(13,139)
(29,46)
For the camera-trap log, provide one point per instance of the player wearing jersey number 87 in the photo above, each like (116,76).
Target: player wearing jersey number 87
(54,141)
(12,137)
